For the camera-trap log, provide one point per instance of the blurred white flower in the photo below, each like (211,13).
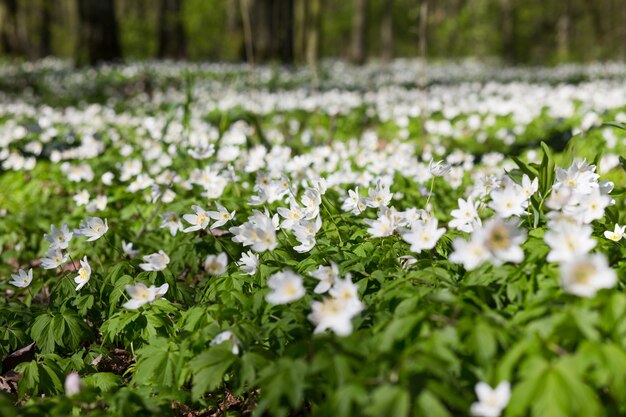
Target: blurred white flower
(286,287)
(155,261)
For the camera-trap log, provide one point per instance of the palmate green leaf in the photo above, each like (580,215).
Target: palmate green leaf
(251,364)
(75,330)
(29,382)
(605,364)
(348,398)
(282,387)
(208,369)
(553,390)
(159,364)
(104,381)
(388,400)
(62,329)
(428,405)
(42,333)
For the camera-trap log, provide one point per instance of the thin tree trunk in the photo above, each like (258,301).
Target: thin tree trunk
(45,41)
(358,31)
(11,39)
(508,34)
(247,34)
(386,32)
(172,39)
(282,28)
(563,32)
(300,27)
(98,35)
(313,37)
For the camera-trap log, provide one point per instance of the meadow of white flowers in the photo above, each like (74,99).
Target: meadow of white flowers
(197,239)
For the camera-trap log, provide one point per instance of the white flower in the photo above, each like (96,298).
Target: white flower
(305,232)
(140,294)
(529,187)
(292,215)
(331,314)
(198,221)
(155,261)
(423,235)
(82,198)
(128,249)
(616,234)
(503,240)
(337,311)
(346,291)
(97,204)
(107,178)
(249,262)
(216,265)
(22,279)
(54,258)
(568,242)
(259,232)
(286,287)
(73,384)
(470,253)
(221,216)
(465,217)
(510,201)
(561,198)
(592,205)
(491,402)
(326,275)
(59,238)
(171,221)
(438,169)
(383,226)
(354,202)
(93,228)
(379,196)
(227,336)
(84,273)
(585,275)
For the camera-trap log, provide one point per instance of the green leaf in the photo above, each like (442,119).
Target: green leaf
(159,364)
(104,381)
(208,369)
(29,382)
(388,400)
(428,405)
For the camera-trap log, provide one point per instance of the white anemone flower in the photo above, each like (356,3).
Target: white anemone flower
(584,276)
(216,264)
(93,228)
(491,401)
(22,279)
(155,261)
(84,273)
(286,287)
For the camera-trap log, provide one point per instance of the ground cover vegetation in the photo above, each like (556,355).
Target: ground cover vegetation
(202,239)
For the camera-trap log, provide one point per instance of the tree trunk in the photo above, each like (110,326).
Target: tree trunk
(172,40)
(11,38)
(358,31)
(562,33)
(45,42)
(282,26)
(508,34)
(98,37)
(386,32)
(299,27)
(313,36)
